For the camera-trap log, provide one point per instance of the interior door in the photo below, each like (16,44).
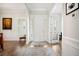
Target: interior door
(39,26)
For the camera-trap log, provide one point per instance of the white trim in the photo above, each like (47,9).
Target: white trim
(10,40)
(49,29)
(72,39)
(71,42)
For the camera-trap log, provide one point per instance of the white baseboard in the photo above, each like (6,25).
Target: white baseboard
(11,39)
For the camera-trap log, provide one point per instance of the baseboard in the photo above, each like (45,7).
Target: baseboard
(10,40)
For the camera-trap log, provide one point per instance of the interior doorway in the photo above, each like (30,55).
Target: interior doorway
(39,28)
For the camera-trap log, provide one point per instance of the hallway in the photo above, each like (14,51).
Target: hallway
(31,29)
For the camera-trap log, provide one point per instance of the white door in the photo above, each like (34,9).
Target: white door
(39,27)
(55,27)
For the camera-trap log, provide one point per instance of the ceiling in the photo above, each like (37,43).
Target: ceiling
(32,7)
(40,6)
(13,8)
(10,6)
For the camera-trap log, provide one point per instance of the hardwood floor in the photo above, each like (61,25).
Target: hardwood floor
(11,47)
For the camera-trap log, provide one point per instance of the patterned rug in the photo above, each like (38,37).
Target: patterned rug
(35,51)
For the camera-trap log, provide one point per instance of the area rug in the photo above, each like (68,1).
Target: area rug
(35,51)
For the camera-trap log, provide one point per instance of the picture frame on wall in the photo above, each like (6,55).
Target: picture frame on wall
(71,7)
(7,23)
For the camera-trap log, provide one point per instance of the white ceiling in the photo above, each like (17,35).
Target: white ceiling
(13,8)
(40,6)
(32,7)
(10,6)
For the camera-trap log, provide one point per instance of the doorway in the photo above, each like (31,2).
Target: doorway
(38,28)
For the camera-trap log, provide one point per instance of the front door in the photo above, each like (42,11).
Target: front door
(39,27)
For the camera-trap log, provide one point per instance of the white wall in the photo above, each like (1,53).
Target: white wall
(70,44)
(15,11)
